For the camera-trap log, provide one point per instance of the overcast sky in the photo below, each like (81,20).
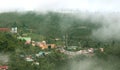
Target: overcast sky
(43,5)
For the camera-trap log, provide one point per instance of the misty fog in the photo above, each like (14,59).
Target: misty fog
(108,29)
(110,24)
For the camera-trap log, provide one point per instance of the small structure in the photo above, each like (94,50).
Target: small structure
(4,30)
(33,43)
(35,63)
(43,45)
(51,46)
(29,58)
(91,50)
(41,53)
(3,67)
(102,49)
(14,30)
(27,39)
(72,47)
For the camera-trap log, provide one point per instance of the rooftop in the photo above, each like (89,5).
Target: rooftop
(4,29)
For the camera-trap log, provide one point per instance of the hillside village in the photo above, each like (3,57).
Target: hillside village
(54,41)
(28,40)
(43,46)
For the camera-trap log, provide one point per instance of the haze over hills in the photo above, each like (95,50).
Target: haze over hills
(59,34)
(108,22)
(85,30)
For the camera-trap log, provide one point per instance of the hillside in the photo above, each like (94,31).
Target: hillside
(48,26)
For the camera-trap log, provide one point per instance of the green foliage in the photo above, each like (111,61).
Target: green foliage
(49,26)
(8,42)
(52,61)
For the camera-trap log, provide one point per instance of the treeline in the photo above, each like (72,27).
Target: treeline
(49,26)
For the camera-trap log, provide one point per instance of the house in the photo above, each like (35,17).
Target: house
(72,47)
(26,39)
(14,30)
(5,30)
(102,49)
(3,67)
(51,46)
(43,45)
(33,43)
(29,59)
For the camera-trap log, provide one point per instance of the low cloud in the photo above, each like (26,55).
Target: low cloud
(110,29)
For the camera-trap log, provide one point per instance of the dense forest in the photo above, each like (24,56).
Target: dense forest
(63,29)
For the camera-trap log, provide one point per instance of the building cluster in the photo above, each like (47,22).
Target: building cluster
(43,45)
(89,51)
(12,30)
(28,40)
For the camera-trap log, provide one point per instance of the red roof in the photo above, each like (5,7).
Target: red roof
(3,67)
(4,29)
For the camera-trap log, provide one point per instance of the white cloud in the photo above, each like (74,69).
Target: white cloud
(39,5)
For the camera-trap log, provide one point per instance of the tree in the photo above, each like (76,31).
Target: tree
(53,29)
(8,42)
